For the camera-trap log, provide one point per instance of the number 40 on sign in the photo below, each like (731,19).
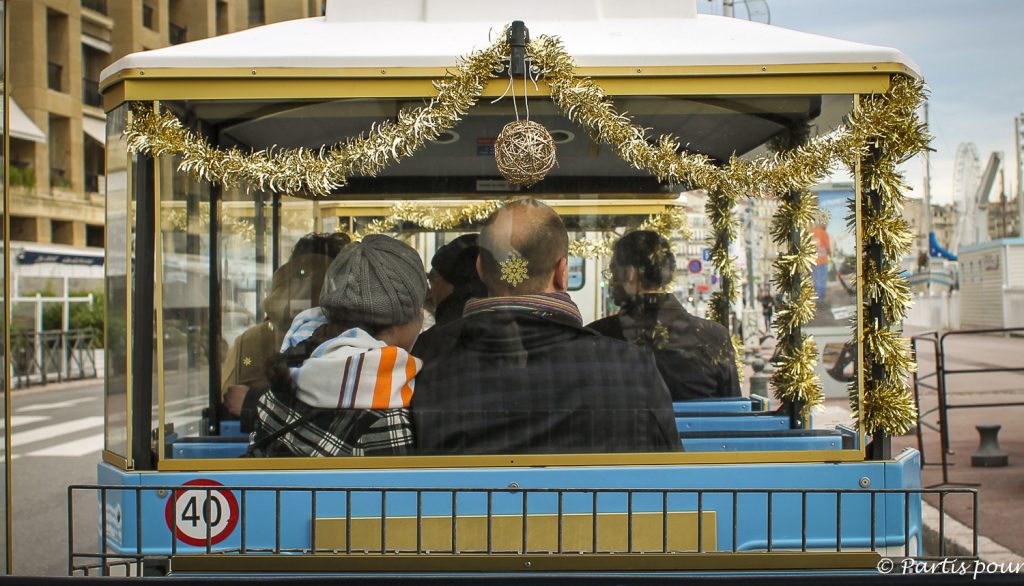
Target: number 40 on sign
(202,513)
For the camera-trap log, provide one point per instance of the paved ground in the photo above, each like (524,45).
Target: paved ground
(57,438)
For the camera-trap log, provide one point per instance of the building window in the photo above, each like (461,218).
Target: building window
(93,62)
(62,232)
(54,76)
(257,12)
(177,34)
(60,151)
(97,5)
(148,16)
(56,50)
(94,236)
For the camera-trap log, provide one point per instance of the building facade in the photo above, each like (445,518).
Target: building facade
(58,49)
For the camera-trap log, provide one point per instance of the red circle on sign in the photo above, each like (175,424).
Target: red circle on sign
(189,510)
(695,265)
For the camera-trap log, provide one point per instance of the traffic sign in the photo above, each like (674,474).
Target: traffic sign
(705,254)
(195,514)
(695,265)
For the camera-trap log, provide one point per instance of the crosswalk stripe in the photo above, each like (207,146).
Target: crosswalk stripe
(79,447)
(57,405)
(17,420)
(56,431)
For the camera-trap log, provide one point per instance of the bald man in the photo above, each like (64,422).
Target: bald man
(519,374)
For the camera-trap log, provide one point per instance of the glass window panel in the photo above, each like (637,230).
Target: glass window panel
(598,196)
(185,241)
(117,242)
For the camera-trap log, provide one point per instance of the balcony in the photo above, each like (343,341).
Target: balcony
(91,93)
(54,76)
(95,5)
(177,34)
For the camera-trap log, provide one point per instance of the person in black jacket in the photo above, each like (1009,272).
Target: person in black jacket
(695,356)
(453,281)
(519,374)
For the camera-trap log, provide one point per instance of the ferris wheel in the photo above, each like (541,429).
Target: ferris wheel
(966,179)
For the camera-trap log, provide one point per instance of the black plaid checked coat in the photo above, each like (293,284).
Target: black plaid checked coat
(513,383)
(310,431)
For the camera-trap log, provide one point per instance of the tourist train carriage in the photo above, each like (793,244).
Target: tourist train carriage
(758,488)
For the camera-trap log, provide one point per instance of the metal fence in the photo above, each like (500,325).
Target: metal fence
(386,526)
(53,356)
(937,341)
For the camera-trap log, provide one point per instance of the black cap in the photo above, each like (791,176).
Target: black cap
(456,261)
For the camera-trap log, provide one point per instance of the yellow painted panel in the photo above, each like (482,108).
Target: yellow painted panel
(507,533)
(328,88)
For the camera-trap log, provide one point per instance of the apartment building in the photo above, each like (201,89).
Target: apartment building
(57,50)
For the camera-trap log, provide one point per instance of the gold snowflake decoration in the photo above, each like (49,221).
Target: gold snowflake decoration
(513,269)
(247,361)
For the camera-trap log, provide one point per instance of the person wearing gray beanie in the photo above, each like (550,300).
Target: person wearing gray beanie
(379,281)
(342,383)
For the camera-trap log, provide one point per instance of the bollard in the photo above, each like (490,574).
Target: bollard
(750,354)
(989,454)
(759,380)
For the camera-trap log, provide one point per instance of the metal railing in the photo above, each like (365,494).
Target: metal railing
(55,76)
(53,356)
(91,93)
(749,520)
(97,5)
(937,341)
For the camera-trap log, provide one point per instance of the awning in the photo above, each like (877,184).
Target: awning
(95,128)
(22,126)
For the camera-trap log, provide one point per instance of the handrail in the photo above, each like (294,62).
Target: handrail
(484,508)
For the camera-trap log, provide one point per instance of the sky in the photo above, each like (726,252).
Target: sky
(971,53)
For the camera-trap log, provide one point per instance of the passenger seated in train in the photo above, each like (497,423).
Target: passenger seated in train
(294,288)
(695,356)
(453,281)
(343,382)
(519,374)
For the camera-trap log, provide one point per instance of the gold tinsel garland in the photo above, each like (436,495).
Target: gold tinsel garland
(887,403)
(794,379)
(889,119)
(319,171)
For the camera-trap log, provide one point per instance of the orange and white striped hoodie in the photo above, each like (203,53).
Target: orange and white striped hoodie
(357,371)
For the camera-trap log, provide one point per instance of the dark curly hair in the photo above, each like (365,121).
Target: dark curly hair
(651,255)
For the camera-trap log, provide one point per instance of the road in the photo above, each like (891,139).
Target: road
(57,439)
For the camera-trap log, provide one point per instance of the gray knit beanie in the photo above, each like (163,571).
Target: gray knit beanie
(378,281)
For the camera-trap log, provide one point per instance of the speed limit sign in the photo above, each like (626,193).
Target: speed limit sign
(201,513)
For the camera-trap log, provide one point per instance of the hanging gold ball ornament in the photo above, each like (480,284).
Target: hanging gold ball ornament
(525,152)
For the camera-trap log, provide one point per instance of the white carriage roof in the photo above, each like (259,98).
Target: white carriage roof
(432,33)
